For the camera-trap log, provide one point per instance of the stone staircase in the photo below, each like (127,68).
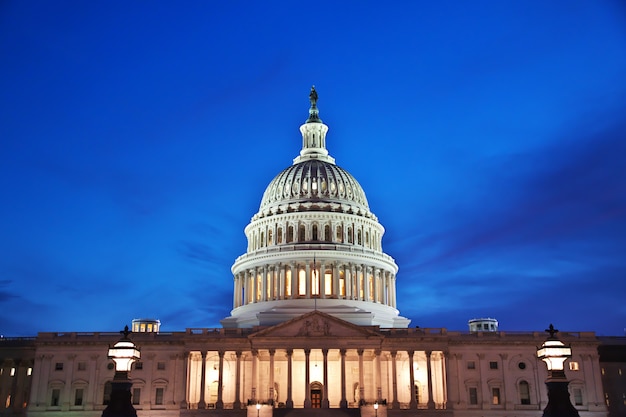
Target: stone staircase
(317,412)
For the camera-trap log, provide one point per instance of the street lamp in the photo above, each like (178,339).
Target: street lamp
(258,409)
(123,354)
(376,408)
(554,353)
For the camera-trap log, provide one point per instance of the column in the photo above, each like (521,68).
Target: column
(307,274)
(357,277)
(394,403)
(289,402)
(307,379)
(236,293)
(220,381)
(348,277)
(445,362)
(271,390)
(14,399)
(202,403)
(336,277)
(325,402)
(322,279)
(431,402)
(361,387)
(366,283)
(344,402)
(412,403)
(185,378)
(255,379)
(375,285)
(237,403)
(294,281)
(379,388)
(264,284)
(281,281)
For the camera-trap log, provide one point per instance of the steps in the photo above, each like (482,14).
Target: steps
(317,412)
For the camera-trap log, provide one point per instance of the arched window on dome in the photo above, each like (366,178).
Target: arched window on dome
(359,239)
(270,236)
(301,282)
(350,235)
(301,233)
(279,236)
(328,282)
(339,234)
(367,239)
(314,235)
(328,236)
(262,239)
(287,282)
(290,234)
(342,284)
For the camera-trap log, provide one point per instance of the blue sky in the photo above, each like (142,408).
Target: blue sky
(136,140)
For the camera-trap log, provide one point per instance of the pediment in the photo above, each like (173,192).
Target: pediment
(316,324)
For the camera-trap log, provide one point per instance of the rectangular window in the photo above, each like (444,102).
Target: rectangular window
(573,366)
(578,396)
(29,371)
(473,396)
(158,399)
(82,366)
(495,396)
(136,396)
(138,365)
(471,365)
(161,366)
(12,371)
(58,366)
(55,398)
(78,396)
(493,365)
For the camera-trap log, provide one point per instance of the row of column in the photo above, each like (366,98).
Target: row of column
(289,403)
(291,234)
(347,281)
(15,380)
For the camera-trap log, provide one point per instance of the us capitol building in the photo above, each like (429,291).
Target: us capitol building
(314,325)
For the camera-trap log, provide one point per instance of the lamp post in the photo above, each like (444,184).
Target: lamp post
(123,354)
(376,408)
(554,353)
(258,409)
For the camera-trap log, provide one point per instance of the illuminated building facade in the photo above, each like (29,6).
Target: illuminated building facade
(314,325)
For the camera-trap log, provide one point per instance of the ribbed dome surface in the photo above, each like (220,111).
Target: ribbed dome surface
(312,181)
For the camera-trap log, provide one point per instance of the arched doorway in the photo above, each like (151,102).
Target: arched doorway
(317,391)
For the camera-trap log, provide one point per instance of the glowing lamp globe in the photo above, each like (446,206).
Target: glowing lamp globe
(375,406)
(124,353)
(554,352)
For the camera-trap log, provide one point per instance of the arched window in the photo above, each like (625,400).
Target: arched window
(301,233)
(301,281)
(290,234)
(270,235)
(350,235)
(262,239)
(314,233)
(524,392)
(339,234)
(359,240)
(328,237)
(367,239)
(279,236)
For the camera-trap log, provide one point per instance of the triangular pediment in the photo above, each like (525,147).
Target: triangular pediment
(318,325)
